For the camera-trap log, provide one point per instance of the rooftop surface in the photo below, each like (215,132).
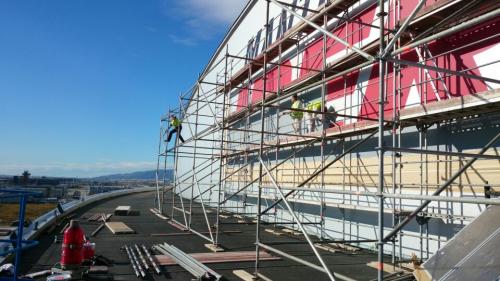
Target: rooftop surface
(147,227)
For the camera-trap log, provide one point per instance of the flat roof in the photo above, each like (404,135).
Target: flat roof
(146,224)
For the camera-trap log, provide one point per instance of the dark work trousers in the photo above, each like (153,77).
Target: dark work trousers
(175,130)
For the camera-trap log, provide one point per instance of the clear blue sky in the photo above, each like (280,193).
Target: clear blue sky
(83,83)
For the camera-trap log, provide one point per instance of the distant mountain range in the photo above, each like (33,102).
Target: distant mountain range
(141,175)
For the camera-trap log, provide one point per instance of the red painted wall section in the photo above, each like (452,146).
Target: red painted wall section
(415,85)
(356,31)
(340,94)
(418,86)
(242,102)
(312,58)
(407,6)
(286,73)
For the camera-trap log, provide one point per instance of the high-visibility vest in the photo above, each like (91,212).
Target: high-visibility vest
(314,106)
(294,113)
(175,122)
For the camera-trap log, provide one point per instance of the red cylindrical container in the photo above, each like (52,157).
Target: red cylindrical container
(72,246)
(88,251)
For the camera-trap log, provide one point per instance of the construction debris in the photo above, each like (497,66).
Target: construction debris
(244,275)
(59,277)
(214,248)
(99,217)
(104,218)
(118,227)
(346,247)
(55,274)
(38,274)
(324,247)
(122,211)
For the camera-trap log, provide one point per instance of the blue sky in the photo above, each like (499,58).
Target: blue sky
(83,83)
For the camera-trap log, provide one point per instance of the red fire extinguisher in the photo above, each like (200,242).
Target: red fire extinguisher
(72,254)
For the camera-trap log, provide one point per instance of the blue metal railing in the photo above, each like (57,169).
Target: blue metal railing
(19,243)
(48,218)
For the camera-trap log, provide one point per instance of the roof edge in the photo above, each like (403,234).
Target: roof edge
(230,32)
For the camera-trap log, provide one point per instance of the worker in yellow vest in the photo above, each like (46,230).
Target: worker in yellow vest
(296,115)
(177,128)
(313,116)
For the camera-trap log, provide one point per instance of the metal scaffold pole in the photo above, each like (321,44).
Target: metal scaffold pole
(195,146)
(324,127)
(157,176)
(381,97)
(220,189)
(165,158)
(261,145)
(176,162)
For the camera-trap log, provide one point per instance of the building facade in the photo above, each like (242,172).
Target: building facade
(399,104)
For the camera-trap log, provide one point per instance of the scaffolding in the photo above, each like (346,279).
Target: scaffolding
(247,157)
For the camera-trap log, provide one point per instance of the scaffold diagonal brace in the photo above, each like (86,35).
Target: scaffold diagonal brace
(299,224)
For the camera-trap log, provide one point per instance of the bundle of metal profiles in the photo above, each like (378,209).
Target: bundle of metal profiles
(220,257)
(199,270)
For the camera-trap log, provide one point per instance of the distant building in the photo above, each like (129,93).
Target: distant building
(44,191)
(48,181)
(101,189)
(25,177)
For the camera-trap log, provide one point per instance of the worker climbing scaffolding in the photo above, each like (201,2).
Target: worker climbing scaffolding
(175,123)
